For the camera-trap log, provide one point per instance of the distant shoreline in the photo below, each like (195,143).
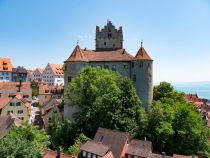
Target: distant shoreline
(202,89)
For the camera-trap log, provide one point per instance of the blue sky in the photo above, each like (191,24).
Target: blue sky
(176,33)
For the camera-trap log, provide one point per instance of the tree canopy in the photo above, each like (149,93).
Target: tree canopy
(105,99)
(26,141)
(174,125)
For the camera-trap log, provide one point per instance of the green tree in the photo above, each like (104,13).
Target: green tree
(62,133)
(105,99)
(174,125)
(74,149)
(26,141)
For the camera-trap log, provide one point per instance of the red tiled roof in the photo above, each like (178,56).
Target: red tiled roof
(142,55)
(53,154)
(115,139)
(95,148)
(4,102)
(139,148)
(192,97)
(91,55)
(198,104)
(9,85)
(5,65)
(57,69)
(77,55)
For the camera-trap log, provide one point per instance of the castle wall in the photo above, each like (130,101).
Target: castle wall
(142,77)
(123,67)
(71,70)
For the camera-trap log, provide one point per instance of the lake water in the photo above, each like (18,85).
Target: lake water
(201,88)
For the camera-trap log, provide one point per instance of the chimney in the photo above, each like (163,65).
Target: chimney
(58,153)
(163,154)
(20,85)
(200,154)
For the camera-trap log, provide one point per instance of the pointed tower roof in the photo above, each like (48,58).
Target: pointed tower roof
(142,54)
(77,55)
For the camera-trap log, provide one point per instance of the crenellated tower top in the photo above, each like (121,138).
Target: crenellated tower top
(109,38)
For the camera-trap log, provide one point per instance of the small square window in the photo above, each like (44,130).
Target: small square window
(18,104)
(20,111)
(69,79)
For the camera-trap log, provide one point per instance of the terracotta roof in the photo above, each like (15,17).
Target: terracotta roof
(30,72)
(139,148)
(40,70)
(5,65)
(46,89)
(198,104)
(192,98)
(57,69)
(115,139)
(4,102)
(53,154)
(9,85)
(95,148)
(91,55)
(181,156)
(142,55)
(77,55)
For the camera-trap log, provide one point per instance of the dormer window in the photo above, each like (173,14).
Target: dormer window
(101,138)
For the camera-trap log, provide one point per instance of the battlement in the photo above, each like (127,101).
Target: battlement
(109,38)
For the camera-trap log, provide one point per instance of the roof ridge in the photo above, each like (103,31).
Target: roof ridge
(142,54)
(77,55)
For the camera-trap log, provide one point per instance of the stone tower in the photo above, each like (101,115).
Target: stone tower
(109,38)
(142,76)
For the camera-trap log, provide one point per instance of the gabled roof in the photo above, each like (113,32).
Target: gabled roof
(77,55)
(92,55)
(95,148)
(115,139)
(142,55)
(39,70)
(4,102)
(5,65)
(139,148)
(57,69)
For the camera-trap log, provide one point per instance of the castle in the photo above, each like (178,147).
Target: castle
(111,55)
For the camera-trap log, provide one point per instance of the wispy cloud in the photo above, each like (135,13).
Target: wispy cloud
(82,37)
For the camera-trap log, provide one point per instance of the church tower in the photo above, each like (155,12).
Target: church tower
(109,38)
(142,76)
